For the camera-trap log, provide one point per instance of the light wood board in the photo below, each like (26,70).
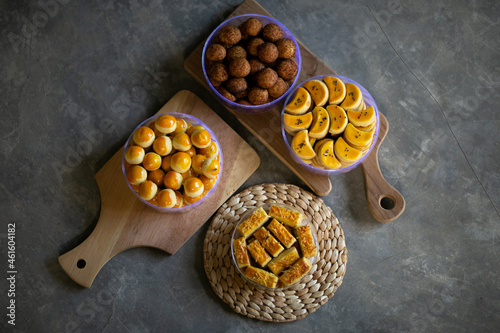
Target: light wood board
(125,222)
(267,128)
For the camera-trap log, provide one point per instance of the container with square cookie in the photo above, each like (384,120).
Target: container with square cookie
(274,245)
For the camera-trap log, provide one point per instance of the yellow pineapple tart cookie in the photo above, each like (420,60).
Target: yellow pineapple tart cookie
(210,151)
(136,175)
(144,136)
(166,198)
(197,163)
(134,154)
(166,123)
(147,190)
(180,126)
(193,187)
(211,167)
(180,162)
(201,138)
(162,145)
(156,176)
(152,161)
(326,116)
(181,142)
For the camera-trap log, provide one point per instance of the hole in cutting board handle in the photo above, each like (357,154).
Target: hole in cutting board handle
(81,263)
(387,203)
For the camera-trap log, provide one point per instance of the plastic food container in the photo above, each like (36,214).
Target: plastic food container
(236,235)
(151,203)
(369,101)
(236,21)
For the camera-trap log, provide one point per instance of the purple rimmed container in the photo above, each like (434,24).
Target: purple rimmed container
(252,109)
(369,101)
(194,122)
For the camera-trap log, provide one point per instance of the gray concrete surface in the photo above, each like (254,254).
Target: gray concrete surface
(70,69)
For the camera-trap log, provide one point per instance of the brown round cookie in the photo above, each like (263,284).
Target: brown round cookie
(251,27)
(226,94)
(253,44)
(266,78)
(287,69)
(255,65)
(229,35)
(267,52)
(236,85)
(272,33)
(279,88)
(243,101)
(241,94)
(218,72)
(258,96)
(215,83)
(236,52)
(215,52)
(286,48)
(239,67)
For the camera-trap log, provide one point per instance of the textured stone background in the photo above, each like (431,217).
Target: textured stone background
(76,78)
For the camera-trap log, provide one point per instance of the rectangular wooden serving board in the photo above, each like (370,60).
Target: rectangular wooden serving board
(125,222)
(267,126)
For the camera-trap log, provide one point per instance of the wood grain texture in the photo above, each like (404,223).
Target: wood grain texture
(376,187)
(125,222)
(267,128)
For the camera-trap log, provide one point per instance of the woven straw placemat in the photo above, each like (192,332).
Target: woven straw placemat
(279,305)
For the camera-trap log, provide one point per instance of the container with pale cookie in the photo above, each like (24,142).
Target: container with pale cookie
(274,245)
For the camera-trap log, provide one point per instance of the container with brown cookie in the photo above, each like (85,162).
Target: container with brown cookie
(251,62)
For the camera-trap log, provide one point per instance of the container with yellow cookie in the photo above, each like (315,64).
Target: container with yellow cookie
(344,109)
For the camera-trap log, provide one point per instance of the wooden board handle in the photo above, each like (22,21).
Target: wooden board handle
(113,232)
(79,263)
(385,202)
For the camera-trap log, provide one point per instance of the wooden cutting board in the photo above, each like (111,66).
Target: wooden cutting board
(267,128)
(125,222)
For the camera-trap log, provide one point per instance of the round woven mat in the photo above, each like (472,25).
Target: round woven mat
(279,305)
